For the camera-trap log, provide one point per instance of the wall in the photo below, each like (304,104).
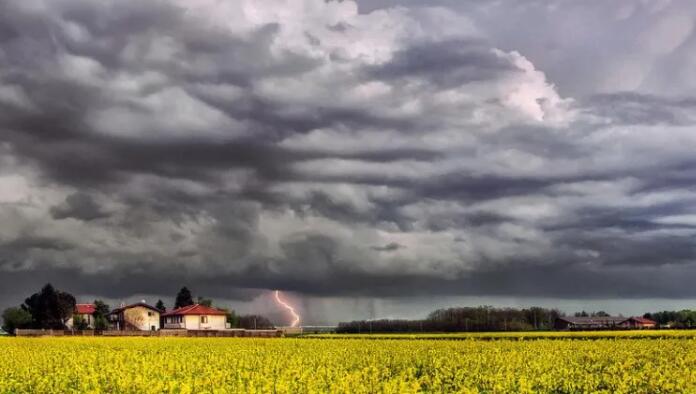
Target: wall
(161,333)
(138,316)
(193,322)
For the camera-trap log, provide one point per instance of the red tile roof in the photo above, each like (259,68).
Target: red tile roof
(642,320)
(195,309)
(84,309)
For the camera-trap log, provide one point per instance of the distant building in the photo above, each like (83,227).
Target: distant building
(601,323)
(84,312)
(291,330)
(135,317)
(319,329)
(195,317)
(588,323)
(638,322)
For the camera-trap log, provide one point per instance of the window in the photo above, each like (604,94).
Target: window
(149,314)
(204,319)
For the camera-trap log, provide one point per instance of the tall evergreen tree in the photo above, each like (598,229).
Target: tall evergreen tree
(50,308)
(160,305)
(184,298)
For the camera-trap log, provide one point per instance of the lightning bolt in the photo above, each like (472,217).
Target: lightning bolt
(290,309)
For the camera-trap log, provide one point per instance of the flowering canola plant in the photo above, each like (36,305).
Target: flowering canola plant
(255,365)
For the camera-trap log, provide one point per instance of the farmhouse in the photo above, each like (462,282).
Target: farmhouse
(135,317)
(84,312)
(638,322)
(196,317)
(601,323)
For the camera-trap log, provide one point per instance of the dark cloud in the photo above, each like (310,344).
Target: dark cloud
(388,247)
(449,63)
(79,206)
(416,151)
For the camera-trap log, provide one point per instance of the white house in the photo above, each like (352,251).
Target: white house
(84,312)
(196,317)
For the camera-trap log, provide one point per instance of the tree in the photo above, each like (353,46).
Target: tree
(14,318)
(160,305)
(205,302)
(79,323)
(184,298)
(101,311)
(255,322)
(50,308)
(101,308)
(230,317)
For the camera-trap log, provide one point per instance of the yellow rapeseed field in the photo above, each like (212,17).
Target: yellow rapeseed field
(246,365)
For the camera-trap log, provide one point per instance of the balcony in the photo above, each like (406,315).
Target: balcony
(173,326)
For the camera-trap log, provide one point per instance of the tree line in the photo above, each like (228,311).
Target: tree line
(487,318)
(685,318)
(51,308)
(481,318)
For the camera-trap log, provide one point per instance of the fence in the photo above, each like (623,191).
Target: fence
(160,333)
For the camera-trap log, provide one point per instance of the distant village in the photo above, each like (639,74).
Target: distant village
(55,310)
(492,319)
(52,309)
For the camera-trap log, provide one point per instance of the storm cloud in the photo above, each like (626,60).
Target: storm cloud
(341,149)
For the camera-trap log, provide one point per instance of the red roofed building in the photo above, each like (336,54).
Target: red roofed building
(638,322)
(84,312)
(196,317)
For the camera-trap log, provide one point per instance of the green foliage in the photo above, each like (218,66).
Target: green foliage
(50,308)
(160,306)
(79,323)
(231,317)
(101,311)
(101,323)
(14,318)
(101,308)
(678,319)
(482,318)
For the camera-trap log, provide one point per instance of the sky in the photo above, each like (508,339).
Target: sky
(370,159)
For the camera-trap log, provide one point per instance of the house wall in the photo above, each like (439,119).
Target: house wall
(142,318)
(193,322)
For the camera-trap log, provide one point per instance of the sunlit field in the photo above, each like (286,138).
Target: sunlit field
(245,365)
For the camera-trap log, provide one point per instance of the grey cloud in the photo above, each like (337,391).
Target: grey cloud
(420,162)
(630,108)
(79,206)
(390,247)
(448,63)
